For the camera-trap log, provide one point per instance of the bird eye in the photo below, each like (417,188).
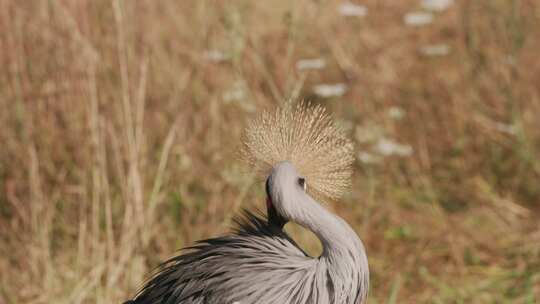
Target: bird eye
(302,182)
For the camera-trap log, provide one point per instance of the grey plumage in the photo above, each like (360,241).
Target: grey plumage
(258,262)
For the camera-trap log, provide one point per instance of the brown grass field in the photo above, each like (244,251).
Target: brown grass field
(120,123)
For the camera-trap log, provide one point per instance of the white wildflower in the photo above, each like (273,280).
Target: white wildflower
(418,18)
(437,5)
(330,90)
(505,128)
(310,64)
(435,50)
(350,9)
(396,113)
(497,126)
(367,134)
(236,93)
(215,55)
(388,147)
(368,158)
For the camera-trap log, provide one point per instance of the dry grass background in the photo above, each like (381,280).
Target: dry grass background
(120,122)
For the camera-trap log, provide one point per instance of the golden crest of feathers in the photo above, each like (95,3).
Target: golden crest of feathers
(306,136)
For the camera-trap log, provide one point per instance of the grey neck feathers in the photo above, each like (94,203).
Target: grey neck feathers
(343,261)
(336,236)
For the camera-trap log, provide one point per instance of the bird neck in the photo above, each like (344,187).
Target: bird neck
(337,237)
(343,261)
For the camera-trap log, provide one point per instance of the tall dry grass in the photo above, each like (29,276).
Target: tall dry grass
(120,121)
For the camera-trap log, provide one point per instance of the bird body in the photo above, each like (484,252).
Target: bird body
(259,263)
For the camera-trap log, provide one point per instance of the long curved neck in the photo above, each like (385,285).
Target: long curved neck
(343,261)
(336,236)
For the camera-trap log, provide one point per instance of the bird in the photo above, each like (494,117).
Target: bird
(306,160)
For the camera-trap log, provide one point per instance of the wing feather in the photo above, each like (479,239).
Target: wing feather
(257,263)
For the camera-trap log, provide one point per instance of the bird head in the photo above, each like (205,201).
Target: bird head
(300,151)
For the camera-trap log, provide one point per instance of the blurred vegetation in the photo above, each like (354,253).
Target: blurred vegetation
(121,121)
